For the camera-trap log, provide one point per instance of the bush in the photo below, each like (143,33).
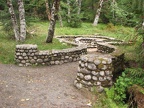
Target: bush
(129,77)
(75,21)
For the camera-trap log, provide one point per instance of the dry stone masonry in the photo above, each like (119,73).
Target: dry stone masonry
(28,54)
(94,70)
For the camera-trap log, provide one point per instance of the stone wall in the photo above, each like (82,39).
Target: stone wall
(105,48)
(94,70)
(28,54)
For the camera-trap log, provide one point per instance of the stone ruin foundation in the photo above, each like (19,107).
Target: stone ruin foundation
(28,54)
(94,70)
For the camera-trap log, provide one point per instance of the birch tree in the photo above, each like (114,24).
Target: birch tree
(47,10)
(22,20)
(98,13)
(19,30)
(68,3)
(60,17)
(14,20)
(54,14)
(79,6)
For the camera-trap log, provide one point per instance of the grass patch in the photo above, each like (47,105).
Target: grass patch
(104,102)
(39,31)
(119,32)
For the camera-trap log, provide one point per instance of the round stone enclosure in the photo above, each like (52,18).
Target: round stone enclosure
(94,70)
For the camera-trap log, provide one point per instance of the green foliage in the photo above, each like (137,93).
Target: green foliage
(121,86)
(119,16)
(75,21)
(136,75)
(118,91)
(74,18)
(104,102)
(129,77)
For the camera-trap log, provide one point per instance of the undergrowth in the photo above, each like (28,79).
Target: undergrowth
(118,92)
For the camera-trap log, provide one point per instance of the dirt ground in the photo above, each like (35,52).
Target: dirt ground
(40,87)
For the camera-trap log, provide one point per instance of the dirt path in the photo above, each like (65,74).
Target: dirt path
(40,87)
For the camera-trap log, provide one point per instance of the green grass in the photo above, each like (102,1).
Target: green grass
(40,30)
(104,102)
(119,32)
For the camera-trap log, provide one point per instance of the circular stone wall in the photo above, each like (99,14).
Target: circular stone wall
(94,70)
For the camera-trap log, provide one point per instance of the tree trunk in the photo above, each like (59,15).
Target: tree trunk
(79,6)
(22,20)
(98,13)
(47,9)
(14,20)
(54,13)
(60,18)
(68,3)
(143,35)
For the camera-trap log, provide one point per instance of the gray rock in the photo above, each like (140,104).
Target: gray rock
(104,62)
(90,59)
(109,78)
(87,77)
(28,64)
(75,81)
(104,67)
(85,71)
(97,62)
(65,61)
(91,66)
(95,73)
(84,58)
(94,78)
(46,59)
(26,58)
(98,83)
(102,73)
(82,64)
(107,73)
(17,60)
(70,59)
(57,62)
(89,84)
(35,57)
(23,61)
(74,59)
(21,65)
(78,85)
(66,57)
(20,57)
(86,64)
(100,89)
(43,63)
(32,61)
(79,69)
(81,75)
(101,79)
(109,61)
(32,54)
(30,51)
(52,62)
(83,82)
(18,54)
(39,60)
